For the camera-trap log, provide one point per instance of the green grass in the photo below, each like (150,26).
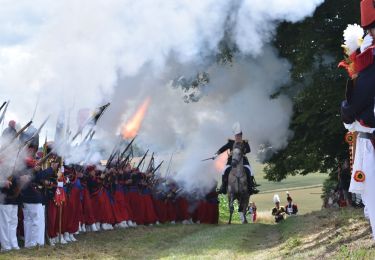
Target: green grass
(311,179)
(327,234)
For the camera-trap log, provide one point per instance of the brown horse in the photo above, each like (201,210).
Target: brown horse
(237,184)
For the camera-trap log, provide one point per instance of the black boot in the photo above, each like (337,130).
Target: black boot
(224,185)
(255,190)
(251,185)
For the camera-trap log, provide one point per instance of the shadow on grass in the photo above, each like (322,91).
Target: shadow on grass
(325,232)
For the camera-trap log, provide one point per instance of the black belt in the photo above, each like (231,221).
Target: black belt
(366,135)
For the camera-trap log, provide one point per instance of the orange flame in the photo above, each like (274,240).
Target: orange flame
(131,127)
(220,162)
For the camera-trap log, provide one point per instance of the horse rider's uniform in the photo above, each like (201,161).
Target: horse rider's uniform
(250,176)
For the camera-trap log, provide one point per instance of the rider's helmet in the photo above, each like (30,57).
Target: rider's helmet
(237,128)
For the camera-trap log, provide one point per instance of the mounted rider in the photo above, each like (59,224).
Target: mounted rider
(245,149)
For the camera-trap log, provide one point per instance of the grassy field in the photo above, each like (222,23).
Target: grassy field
(327,234)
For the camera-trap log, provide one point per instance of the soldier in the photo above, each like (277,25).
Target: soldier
(229,146)
(32,198)
(8,213)
(10,132)
(291,208)
(357,111)
(252,210)
(278,211)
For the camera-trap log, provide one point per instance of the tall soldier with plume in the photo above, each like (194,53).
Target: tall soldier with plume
(246,149)
(357,110)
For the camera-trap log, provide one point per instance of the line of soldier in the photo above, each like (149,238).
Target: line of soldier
(57,201)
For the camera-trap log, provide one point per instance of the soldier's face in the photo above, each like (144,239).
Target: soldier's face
(238,137)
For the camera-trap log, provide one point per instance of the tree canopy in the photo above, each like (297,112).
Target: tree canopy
(317,89)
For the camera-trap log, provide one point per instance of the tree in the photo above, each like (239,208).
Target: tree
(317,89)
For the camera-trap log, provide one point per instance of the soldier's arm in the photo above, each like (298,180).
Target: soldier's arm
(246,147)
(224,148)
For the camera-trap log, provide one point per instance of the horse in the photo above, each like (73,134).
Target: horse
(237,184)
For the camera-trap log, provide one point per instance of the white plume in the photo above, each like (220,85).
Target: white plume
(276,198)
(353,37)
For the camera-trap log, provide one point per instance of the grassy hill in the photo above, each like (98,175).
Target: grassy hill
(327,234)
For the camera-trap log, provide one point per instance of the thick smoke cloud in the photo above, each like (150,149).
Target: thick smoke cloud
(80,54)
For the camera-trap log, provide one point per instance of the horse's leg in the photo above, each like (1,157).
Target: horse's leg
(231,207)
(245,201)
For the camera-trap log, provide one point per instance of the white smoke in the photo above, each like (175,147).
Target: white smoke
(80,54)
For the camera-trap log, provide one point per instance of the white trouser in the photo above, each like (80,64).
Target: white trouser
(8,226)
(365,161)
(34,224)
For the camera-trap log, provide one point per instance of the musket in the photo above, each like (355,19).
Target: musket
(112,156)
(150,163)
(1,107)
(127,147)
(36,106)
(157,167)
(94,118)
(123,163)
(22,130)
(87,136)
(143,158)
(211,158)
(5,110)
(92,135)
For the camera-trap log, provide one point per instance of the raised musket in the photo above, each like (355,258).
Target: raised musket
(127,147)
(143,158)
(22,130)
(150,164)
(112,156)
(3,105)
(157,167)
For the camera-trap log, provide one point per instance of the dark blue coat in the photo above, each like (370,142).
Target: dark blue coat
(359,104)
(31,193)
(229,146)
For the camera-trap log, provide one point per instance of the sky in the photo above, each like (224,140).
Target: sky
(77,55)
